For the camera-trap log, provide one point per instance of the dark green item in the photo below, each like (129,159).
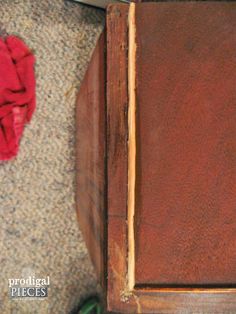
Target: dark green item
(91,306)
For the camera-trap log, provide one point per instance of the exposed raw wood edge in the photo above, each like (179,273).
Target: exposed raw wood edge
(131,145)
(141,291)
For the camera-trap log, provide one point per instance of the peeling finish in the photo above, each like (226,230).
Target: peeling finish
(125,296)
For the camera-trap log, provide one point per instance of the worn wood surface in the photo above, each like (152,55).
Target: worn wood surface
(194,61)
(184,240)
(90,128)
(117,106)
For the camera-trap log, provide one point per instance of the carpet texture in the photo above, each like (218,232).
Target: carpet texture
(39,233)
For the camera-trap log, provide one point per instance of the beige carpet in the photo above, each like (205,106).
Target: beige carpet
(39,233)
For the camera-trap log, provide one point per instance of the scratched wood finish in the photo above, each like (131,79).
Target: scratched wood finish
(90,128)
(147,296)
(117,106)
(102,169)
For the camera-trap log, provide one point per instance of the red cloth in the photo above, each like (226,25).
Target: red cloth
(17,93)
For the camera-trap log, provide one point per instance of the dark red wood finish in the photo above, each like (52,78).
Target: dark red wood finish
(90,118)
(117,105)
(175,108)
(186,187)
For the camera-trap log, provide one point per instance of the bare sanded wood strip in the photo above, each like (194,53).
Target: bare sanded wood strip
(131,146)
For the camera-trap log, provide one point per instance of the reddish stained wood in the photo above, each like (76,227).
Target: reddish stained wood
(117,104)
(146,297)
(186,190)
(90,120)
(152,299)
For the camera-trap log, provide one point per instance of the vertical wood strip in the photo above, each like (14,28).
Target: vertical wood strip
(117,156)
(131,146)
(148,299)
(90,161)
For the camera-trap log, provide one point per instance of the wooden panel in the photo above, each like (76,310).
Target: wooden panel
(146,295)
(117,106)
(90,118)
(186,187)
(117,151)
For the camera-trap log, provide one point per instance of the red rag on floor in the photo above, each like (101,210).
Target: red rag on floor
(17,93)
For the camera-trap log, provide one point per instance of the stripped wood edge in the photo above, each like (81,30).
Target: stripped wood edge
(131,145)
(131,288)
(154,290)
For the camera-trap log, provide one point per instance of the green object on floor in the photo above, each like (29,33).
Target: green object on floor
(91,306)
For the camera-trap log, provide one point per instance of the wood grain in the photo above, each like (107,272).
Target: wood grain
(148,296)
(184,97)
(131,145)
(90,128)
(117,136)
